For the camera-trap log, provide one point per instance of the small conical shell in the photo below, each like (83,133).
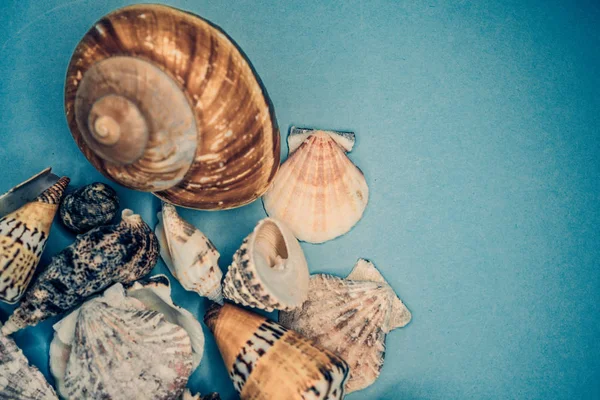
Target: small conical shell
(269,270)
(190,256)
(88,207)
(318,192)
(351,317)
(268,361)
(98,259)
(19,380)
(115,347)
(23,236)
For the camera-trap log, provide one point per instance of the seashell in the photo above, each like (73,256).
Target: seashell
(19,380)
(351,317)
(318,192)
(190,256)
(117,346)
(267,361)
(187,395)
(89,207)
(211,142)
(23,236)
(269,271)
(99,258)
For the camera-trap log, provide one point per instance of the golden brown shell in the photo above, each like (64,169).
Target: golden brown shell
(235,154)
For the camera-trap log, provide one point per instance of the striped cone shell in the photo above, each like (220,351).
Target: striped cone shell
(267,361)
(318,192)
(269,270)
(23,237)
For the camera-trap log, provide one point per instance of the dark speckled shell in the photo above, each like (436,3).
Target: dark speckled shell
(89,207)
(99,258)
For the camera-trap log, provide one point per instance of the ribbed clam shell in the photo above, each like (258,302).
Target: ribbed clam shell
(267,361)
(23,236)
(118,349)
(89,207)
(351,318)
(318,192)
(19,380)
(98,258)
(189,254)
(269,270)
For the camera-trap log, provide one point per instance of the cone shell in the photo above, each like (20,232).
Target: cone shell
(268,361)
(23,236)
(189,254)
(318,192)
(19,380)
(211,142)
(269,270)
(88,207)
(98,259)
(351,317)
(114,347)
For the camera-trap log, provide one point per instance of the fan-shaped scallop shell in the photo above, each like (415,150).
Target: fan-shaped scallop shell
(19,380)
(98,259)
(267,361)
(269,270)
(318,192)
(189,254)
(116,347)
(89,207)
(23,236)
(351,317)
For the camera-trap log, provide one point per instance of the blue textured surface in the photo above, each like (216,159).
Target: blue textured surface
(478,130)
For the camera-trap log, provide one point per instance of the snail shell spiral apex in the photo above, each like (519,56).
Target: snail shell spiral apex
(160,100)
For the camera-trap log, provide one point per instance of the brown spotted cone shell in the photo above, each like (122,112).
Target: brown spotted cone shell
(267,361)
(233,155)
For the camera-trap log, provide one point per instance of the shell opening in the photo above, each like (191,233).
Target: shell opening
(271,249)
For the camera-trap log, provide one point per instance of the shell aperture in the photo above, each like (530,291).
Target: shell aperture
(23,237)
(105,255)
(351,317)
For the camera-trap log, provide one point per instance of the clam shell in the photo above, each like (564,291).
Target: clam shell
(267,361)
(318,192)
(269,270)
(98,259)
(189,254)
(351,317)
(19,380)
(23,236)
(89,207)
(116,347)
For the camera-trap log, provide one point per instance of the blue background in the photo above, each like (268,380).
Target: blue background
(477,128)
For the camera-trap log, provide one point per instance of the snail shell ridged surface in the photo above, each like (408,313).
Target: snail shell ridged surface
(161,100)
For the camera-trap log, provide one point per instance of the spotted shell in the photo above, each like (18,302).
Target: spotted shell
(89,207)
(267,361)
(19,380)
(211,141)
(98,259)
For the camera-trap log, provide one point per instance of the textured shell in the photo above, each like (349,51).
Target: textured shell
(23,236)
(318,192)
(189,254)
(269,270)
(89,207)
(351,317)
(114,347)
(19,380)
(267,361)
(98,258)
(237,147)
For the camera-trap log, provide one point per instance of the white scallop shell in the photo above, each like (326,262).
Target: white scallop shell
(126,345)
(19,380)
(351,317)
(318,192)
(189,254)
(269,270)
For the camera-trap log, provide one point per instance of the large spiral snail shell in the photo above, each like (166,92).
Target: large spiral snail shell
(163,101)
